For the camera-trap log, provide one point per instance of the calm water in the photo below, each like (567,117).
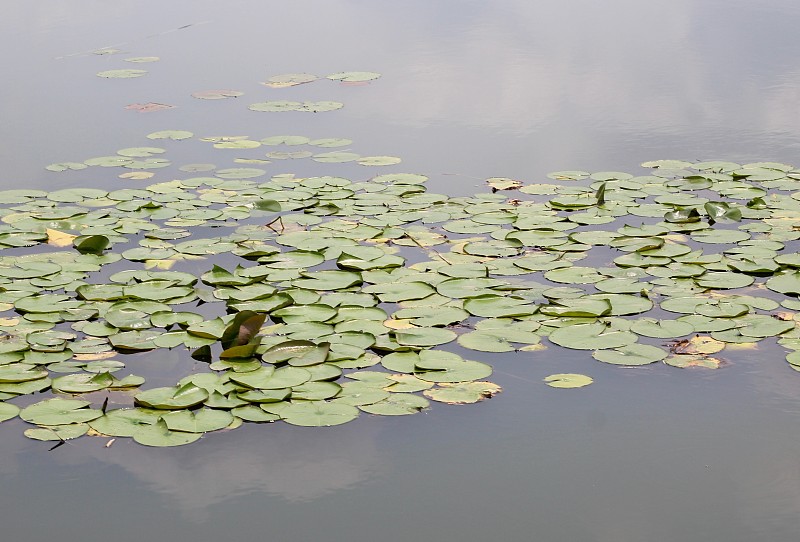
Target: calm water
(469,90)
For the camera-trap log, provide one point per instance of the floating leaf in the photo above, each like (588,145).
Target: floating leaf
(693,360)
(148,107)
(318,413)
(568,380)
(176,135)
(633,354)
(8,411)
(57,432)
(462,393)
(172,398)
(424,336)
(440,366)
(289,80)
(217,94)
(351,77)
(121,74)
(92,244)
(59,411)
(198,421)
(397,405)
(159,435)
(592,336)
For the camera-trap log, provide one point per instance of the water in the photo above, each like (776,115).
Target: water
(469,90)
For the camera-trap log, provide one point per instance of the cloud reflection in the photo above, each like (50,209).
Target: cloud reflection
(297,464)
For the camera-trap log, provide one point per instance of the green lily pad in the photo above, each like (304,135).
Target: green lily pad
(124,422)
(57,432)
(462,393)
(424,336)
(318,413)
(440,366)
(8,411)
(591,336)
(352,77)
(121,74)
(633,354)
(172,398)
(397,405)
(198,421)
(568,380)
(59,411)
(159,435)
(661,329)
(252,413)
(82,382)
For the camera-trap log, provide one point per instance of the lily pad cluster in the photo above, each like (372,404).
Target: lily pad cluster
(318,298)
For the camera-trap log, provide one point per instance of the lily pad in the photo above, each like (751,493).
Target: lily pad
(172,398)
(318,413)
(462,393)
(634,354)
(591,336)
(159,435)
(59,411)
(568,380)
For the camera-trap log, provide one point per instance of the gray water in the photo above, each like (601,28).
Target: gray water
(469,90)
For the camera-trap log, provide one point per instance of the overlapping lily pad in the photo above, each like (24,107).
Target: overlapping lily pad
(322,297)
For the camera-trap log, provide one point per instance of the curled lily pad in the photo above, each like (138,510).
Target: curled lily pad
(172,398)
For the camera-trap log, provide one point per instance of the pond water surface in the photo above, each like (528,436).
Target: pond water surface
(469,90)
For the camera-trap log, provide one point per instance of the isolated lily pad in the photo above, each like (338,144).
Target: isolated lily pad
(217,94)
(568,380)
(121,74)
(289,80)
(351,77)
